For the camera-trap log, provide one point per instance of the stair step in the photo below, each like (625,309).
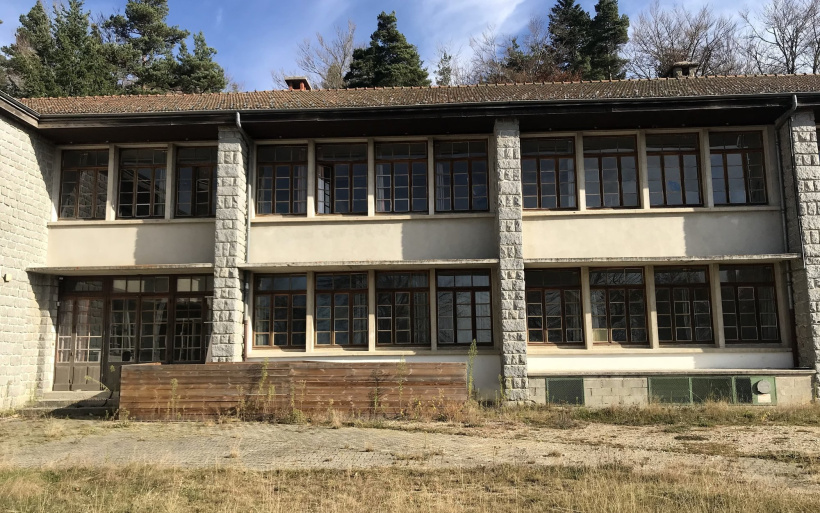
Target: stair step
(70,412)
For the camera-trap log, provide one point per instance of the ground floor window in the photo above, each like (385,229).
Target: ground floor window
(341,309)
(617,298)
(402,308)
(682,299)
(749,304)
(464,307)
(280,310)
(554,313)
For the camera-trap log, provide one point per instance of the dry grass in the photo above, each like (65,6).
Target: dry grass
(498,489)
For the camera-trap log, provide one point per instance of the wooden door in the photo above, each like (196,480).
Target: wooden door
(79,344)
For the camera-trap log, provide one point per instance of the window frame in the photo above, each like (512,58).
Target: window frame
(411,291)
(97,170)
(472,290)
(271,294)
(618,156)
(680,154)
(707,286)
(292,191)
(411,182)
(556,158)
(321,165)
(723,153)
(154,189)
(735,286)
(351,318)
(562,289)
(628,313)
(470,160)
(212,183)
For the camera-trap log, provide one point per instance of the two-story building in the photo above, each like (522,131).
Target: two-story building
(600,242)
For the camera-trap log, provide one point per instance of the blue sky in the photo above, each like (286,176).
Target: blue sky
(255,37)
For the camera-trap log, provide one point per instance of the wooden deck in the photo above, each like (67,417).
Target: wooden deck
(248,390)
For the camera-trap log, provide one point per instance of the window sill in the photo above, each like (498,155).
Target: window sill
(650,211)
(115,222)
(346,218)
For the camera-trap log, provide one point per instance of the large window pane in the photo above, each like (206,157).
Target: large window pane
(464,307)
(341,309)
(554,311)
(462,181)
(683,303)
(142,183)
(401,177)
(196,182)
(341,179)
(610,172)
(618,306)
(84,184)
(738,171)
(673,170)
(749,303)
(548,173)
(402,309)
(280,310)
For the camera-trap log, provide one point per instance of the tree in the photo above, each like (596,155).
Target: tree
(30,57)
(389,60)
(568,30)
(327,60)
(782,36)
(661,37)
(444,69)
(197,72)
(608,33)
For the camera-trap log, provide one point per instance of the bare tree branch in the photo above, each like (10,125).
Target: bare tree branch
(326,60)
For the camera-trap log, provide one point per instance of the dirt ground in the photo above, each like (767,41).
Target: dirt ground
(779,456)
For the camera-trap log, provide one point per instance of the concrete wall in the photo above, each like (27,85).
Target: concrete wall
(361,239)
(655,361)
(643,234)
(130,243)
(27,301)
(793,390)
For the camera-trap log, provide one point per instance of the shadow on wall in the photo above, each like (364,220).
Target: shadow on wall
(467,238)
(45,292)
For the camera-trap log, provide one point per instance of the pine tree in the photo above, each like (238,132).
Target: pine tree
(30,57)
(444,70)
(569,26)
(389,60)
(608,33)
(197,72)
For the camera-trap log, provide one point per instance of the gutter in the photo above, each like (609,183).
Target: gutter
(18,110)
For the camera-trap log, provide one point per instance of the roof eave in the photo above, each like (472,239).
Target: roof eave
(12,107)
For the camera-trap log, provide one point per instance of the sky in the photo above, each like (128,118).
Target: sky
(256,37)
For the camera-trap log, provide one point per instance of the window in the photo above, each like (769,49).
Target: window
(280,310)
(84,184)
(281,180)
(142,183)
(139,318)
(749,304)
(192,318)
(464,308)
(548,173)
(682,301)
(461,176)
(196,182)
(673,170)
(401,177)
(341,181)
(554,314)
(341,309)
(611,172)
(618,304)
(402,309)
(738,175)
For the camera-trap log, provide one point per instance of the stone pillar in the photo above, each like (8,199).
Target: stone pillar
(511,260)
(230,244)
(801,183)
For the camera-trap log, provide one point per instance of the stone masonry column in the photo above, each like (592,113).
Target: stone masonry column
(230,245)
(803,220)
(511,260)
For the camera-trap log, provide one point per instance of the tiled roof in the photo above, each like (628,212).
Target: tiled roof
(718,86)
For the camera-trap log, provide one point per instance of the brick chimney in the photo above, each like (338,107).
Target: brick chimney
(297,83)
(682,69)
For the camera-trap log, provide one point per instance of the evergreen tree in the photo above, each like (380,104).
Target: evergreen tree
(569,26)
(608,33)
(389,60)
(29,64)
(444,70)
(197,72)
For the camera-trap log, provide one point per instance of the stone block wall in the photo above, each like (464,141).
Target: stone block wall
(28,301)
(509,224)
(802,194)
(793,390)
(618,391)
(230,244)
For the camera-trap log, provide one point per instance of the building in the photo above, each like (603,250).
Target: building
(604,242)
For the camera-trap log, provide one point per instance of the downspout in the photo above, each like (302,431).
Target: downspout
(778,124)
(246,273)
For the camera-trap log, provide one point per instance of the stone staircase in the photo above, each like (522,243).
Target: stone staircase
(80,404)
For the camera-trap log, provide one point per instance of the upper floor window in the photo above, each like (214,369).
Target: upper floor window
(341,309)
(749,304)
(548,173)
(402,308)
(142,183)
(464,308)
(341,179)
(611,172)
(738,172)
(554,314)
(196,182)
(281,180)
(401,177)
(461,176)
(682,299)
(280,310)
(672,169)
(84,184)
(617,297)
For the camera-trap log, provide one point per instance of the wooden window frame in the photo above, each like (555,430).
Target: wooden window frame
(680,154)
(562,289)
(691,287)
(412,291)
(322,165)
(411,182)
(471,184)
(556,158)
(618,156)
(196,167)
(292,191)
(271,294)
(744,152)
(351,318)
(472,290)
(756,285)
(95,200)
(152,205)
(628,313)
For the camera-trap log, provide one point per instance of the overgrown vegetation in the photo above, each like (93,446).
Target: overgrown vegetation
(499,489)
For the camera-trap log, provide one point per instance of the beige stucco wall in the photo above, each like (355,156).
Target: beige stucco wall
(125,243)
(373,240)
(665,360)
(645,234)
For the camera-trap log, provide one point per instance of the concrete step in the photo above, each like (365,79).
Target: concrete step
(76,399)
(78,412)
